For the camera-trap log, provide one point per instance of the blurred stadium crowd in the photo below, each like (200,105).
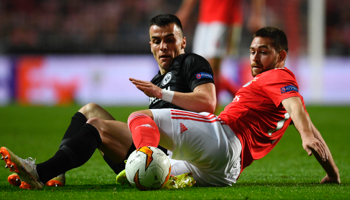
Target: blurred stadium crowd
(121,26)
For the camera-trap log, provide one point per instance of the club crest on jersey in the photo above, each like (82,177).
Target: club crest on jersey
(204,75)
(289,88)
(167,78)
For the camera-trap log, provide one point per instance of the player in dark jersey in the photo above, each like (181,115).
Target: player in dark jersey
(187,72)
(184,81)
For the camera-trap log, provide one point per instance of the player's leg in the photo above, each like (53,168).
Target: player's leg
(144,130)
(116,140)
(146,133)
(210,41)
(206,43)
(110,136)
(77,121)
(88,111)
(215,65)
(72,154)
(197,139)
(80,148)
(93,110)
(233,38)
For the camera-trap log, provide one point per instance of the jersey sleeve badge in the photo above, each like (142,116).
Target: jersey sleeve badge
(289,88)
(201,75)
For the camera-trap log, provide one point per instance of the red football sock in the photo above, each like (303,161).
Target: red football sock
(144,130)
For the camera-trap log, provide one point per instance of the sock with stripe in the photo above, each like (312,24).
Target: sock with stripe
(144,130)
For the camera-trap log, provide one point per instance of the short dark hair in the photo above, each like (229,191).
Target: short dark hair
(164,20)
(279,38)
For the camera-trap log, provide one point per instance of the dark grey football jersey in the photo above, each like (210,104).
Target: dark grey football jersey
(187,72)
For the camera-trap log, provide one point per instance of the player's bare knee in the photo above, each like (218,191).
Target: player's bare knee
(141,112)
(99,124)
(89,108)
(96,122)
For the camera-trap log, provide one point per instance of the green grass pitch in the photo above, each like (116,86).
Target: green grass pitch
(286,173)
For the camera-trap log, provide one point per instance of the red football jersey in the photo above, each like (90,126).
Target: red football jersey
(225,11)
(256,114)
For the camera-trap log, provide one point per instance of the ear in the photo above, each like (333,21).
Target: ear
(183,45)
(150,45)
(282,55)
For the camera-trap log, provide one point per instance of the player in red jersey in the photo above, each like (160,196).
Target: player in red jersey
(218,32)
(249,127)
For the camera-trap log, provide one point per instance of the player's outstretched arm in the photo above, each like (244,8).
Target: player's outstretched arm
(202,99)
(329,166)
(312,140)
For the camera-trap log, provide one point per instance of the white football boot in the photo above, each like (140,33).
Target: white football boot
(25,168)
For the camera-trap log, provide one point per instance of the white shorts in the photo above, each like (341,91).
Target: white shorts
(216,40)
(200,144)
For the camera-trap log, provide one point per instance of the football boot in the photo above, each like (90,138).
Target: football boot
(25,168)
(121,178)
(14,180)
(179,181)
(58,181)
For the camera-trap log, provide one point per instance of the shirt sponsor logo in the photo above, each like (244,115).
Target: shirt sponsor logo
(204,75)
(289,88)
(166,78)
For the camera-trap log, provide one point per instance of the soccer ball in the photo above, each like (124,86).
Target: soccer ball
(148,168)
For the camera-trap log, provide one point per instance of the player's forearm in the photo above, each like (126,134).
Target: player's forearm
(301,122)
(325,160)
(307,130)
(329,165)
(197,102)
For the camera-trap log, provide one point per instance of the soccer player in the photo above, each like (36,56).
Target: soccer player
(216,149)
(218,32)
(184,81)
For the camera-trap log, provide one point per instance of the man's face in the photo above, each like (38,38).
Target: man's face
(263,55)
(166,44)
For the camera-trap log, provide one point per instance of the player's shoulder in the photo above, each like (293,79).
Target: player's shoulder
(278,72)
(190,57)
(191,62)
(278,75)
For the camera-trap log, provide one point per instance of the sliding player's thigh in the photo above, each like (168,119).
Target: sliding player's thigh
(191,136)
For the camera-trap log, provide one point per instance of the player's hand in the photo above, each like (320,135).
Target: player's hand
(328,179)
(148,88)
(311,144)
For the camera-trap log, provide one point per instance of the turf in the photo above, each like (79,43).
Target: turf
(286,173)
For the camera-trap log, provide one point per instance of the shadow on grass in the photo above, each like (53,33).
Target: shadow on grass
(114,187)
(289,184)
(75,188)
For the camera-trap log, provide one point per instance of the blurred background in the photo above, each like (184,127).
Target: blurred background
(60,52)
